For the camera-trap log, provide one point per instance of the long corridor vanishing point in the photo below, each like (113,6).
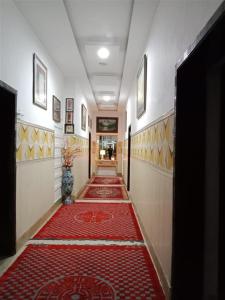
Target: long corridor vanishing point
(88,250)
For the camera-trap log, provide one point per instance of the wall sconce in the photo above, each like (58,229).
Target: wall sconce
(102,153)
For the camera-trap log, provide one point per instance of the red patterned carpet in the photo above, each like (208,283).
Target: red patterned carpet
(72,272)
(113,221)
(104,192)
(81,272)
(106,180)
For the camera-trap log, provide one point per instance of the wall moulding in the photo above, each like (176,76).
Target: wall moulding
(33,142)
(155,143)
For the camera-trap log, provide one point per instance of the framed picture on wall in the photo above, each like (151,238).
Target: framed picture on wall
(69,104)
(69,128)
(39,82)
(83,117)
(142,87)
(69,117)
(56,109)
(107,124)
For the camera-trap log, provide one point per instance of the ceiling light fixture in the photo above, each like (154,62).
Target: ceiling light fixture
(103,53)
(106,98)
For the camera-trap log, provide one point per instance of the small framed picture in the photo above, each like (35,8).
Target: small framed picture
(69,117)
(69,128)
(39,83)
(83,117)
(56,109)
(69,104)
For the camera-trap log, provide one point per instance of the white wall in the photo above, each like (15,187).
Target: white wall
(34,194)
(18,43)
(35,179)
(175,27)
(80,164)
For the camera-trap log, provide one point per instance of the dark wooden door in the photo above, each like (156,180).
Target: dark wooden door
(198,205)
(128,159)
(8,172)
(89,155)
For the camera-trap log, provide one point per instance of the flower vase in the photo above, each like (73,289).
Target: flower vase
(67,186)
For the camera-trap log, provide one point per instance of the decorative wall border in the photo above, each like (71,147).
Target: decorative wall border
(155,143)
(125,148)
(77,141)
(33,142)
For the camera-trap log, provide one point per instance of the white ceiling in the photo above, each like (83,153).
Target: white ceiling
(74,30)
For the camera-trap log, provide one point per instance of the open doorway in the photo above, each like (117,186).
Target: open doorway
(8,170)
(198,209)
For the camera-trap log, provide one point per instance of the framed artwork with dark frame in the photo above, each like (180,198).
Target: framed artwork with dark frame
(69,117)
(107,124)
(142,87)
(39,82)
(83,117)
(69,104)
(56,109)
(69,128)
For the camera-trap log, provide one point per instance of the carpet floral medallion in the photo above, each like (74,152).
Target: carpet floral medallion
(106,180)
(115,221)
(81,272)
(104,192)
(76,287)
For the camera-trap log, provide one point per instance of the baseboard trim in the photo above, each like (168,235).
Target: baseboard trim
(31,231)
(165,285)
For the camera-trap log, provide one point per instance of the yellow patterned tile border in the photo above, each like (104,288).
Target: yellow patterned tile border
(78,141)
(154,144)
(125,148)
(33,142)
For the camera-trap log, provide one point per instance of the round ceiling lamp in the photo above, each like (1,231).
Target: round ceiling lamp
(103,53)
(106,97)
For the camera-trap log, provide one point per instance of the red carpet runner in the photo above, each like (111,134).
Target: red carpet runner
(81,272)
(72,272)
(106,180)
(113,221)
(104,192)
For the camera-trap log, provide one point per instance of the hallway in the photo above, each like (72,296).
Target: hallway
(136,87)
(92,249)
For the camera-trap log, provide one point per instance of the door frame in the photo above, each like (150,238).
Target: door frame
(128,157)
(191,201)
(8,246)
(89,155)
